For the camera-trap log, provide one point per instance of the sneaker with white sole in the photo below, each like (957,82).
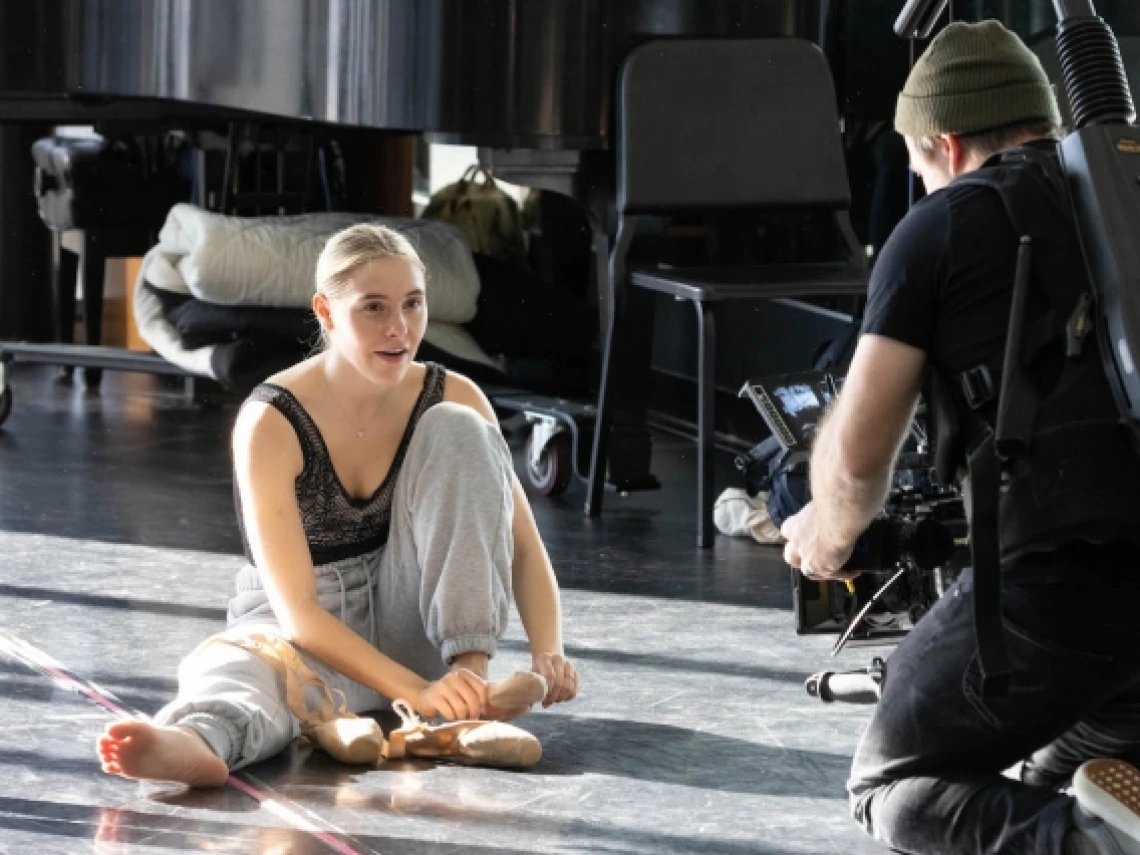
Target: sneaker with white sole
(1107,813)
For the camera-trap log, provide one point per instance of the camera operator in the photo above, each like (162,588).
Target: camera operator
(928,773)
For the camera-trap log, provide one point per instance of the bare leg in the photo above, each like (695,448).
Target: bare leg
(144,751)
(475,662)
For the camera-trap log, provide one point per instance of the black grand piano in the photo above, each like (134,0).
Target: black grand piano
(529,82)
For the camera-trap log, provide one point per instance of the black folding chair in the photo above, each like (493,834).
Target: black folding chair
(715,125)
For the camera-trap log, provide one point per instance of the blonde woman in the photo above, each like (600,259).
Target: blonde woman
(385,532)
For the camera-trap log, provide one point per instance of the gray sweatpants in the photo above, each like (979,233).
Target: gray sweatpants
(441,586)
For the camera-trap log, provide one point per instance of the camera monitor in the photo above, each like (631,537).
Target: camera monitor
(793,405)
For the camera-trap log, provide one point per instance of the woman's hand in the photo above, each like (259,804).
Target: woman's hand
(561,677)
(458,695)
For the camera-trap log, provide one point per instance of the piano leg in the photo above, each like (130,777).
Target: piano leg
(94,262)
(64,266)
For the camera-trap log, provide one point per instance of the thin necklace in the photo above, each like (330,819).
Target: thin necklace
(359,429)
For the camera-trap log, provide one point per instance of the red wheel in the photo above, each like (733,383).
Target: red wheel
(550,475)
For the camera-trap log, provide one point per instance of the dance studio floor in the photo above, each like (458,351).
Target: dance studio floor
(692,734)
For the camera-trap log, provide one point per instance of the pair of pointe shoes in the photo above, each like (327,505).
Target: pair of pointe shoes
(475,743)
(355,740)
(360,741)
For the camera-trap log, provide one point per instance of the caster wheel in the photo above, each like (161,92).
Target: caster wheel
(5,404)
(551,475)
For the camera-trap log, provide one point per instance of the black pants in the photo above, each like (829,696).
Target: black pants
(927,776)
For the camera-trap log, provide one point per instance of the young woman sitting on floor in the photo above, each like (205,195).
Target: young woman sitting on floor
(386,534)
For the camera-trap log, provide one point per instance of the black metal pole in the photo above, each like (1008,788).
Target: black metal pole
(918,18)
(1068,9)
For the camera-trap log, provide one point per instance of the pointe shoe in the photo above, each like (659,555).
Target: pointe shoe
(330,726)
(521,689)
(472,743)
(352,740)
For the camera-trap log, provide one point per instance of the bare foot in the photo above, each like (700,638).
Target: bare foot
(141,750)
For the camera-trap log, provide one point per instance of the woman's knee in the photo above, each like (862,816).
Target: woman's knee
(451,419)
(455,434)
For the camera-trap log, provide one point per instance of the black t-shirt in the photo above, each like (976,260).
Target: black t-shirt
(944,280)
(944,284)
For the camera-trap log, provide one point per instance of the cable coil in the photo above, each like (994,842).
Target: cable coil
(1093,71)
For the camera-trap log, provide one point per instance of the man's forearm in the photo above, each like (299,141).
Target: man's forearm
(860,438)
(845,503)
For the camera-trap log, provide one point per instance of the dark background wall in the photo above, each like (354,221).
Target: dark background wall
(25,248)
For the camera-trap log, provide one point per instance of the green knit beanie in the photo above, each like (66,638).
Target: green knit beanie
(974,77)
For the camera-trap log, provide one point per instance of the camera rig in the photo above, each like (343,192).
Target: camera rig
(910,554)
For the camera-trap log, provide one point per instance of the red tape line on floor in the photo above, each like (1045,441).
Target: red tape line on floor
(38,660)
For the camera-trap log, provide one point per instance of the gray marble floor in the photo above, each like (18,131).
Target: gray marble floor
(693,732)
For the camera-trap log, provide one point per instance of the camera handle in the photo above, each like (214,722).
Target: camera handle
(863,686)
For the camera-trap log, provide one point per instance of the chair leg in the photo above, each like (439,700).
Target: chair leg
(611,289)
(596,489)
(602,423)
(706,389)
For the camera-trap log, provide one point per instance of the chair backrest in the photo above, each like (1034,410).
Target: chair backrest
(724,123)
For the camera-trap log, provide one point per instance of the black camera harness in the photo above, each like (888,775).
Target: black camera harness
(999,449)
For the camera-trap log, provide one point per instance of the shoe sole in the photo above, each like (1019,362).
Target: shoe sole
(1110,789)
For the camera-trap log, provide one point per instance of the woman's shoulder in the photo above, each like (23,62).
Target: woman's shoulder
(272,411)
(265,440)
(456,384)
(262,419)
(266,447)
(296,378)
(287,392)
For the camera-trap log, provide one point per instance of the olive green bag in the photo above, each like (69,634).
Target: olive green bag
(486,215)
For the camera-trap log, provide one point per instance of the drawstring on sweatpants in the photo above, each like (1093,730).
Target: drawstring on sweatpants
(370,581)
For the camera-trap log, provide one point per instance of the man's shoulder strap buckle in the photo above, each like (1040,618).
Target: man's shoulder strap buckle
(977,386)
(1078,326)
